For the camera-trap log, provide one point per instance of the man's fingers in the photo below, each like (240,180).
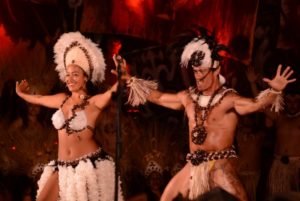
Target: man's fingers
(114,72)
(115,61)
(266,80)
(286,71)
(124,63)
(292,80)
(119,61)
(289,74)
(279,69)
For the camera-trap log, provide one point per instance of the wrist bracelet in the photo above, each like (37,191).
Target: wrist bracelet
(274,91)
(130,80)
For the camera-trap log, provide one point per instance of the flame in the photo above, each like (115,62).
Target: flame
(5,41)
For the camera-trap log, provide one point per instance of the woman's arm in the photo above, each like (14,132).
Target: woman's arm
(51,101)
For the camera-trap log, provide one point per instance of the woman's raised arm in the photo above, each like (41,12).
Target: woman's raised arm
(51,101)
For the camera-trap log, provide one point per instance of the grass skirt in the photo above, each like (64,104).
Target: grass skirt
(284,177)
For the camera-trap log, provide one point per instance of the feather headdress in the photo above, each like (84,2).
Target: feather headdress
(197,53)
(202,50)
(74,48)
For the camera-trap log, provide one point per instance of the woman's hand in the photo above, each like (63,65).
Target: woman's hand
(280,81)
(121,63)
(22,87)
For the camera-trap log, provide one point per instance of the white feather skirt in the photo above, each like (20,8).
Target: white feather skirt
(89,178)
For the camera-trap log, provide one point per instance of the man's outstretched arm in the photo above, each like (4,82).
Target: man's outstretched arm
(269,97)
(141,90)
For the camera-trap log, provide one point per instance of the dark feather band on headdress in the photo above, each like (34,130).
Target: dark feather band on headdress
(74,48)
(203,50)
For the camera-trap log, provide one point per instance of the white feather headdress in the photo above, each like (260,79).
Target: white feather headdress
(198,45)
(74,48)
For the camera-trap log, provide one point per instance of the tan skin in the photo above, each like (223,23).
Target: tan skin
(220,125)
(70,147)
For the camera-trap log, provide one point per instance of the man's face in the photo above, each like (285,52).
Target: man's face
(204,77)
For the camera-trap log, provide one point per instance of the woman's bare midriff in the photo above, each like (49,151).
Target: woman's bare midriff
(76,145)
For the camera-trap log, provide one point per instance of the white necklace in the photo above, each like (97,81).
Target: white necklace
(82,96)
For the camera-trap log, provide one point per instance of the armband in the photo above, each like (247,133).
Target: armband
(277,104)
(139,89)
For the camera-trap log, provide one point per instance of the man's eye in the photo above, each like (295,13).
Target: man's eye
(198,71)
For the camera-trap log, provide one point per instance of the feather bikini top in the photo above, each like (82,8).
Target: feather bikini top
(76,122)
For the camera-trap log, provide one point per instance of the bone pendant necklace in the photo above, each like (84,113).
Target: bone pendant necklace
(199,132)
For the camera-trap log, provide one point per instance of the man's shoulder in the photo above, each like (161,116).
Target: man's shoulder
(185,92)
(228,97)
(229,91)
(229,94)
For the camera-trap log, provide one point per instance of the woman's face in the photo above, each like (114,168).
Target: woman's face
(75,78)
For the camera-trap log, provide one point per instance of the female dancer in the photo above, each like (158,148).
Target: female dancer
(83,171)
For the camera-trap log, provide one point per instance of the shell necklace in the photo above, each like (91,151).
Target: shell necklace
(199,132)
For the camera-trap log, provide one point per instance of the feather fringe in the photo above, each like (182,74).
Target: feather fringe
(80,182)
(48,171)
(84,182)
(139,89)
(277,104)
